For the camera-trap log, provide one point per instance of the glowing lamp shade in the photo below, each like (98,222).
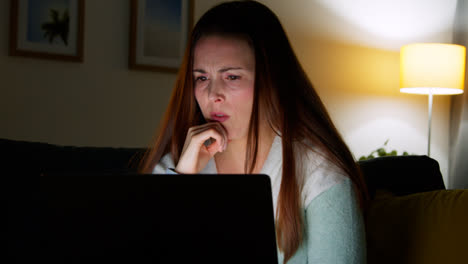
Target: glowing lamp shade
(432,68)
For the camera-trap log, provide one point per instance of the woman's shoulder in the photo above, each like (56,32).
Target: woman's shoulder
(165,163)
(319,174)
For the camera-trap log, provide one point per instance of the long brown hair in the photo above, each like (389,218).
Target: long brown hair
(284,96)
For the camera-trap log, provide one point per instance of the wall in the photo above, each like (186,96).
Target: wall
(348,48)
(95,103)
(459,112)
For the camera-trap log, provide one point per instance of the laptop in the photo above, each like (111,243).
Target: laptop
(146,219)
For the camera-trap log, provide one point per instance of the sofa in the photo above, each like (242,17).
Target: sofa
(411,217)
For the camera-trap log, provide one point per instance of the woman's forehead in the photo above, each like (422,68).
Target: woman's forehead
(215,50)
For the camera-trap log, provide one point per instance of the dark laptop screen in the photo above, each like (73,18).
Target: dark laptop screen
(154,219)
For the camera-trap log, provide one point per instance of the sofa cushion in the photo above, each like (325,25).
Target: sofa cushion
(428,227)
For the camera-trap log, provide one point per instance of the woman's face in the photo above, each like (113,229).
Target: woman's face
(224,75)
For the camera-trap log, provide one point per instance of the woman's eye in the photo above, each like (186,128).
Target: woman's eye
(233,77)
(201,78)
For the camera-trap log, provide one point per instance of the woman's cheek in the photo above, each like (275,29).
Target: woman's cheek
(246,94)
(199,97)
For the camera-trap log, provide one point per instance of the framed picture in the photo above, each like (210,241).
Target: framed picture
(159,31)
(49,29)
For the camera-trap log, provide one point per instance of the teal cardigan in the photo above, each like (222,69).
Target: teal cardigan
(334,229)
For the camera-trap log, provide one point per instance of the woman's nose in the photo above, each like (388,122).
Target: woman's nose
(216,91)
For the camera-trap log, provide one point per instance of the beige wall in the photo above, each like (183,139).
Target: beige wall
(349,49)
(96,103)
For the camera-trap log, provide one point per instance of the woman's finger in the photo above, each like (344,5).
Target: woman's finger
(212,135)
(217,127)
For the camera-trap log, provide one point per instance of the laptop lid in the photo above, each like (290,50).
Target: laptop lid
(154,219)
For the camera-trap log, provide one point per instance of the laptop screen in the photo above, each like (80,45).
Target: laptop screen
(154,219)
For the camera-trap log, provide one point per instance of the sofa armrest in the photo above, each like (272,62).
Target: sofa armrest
(402,175)
(36,158)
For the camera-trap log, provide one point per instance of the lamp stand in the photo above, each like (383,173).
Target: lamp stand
(429,125)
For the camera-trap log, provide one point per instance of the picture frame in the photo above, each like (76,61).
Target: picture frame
(47,29)
(159,31)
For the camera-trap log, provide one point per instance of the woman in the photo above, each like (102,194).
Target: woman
(243,104)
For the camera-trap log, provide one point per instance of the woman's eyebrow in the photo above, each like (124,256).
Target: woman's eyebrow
(225,69)
(229,68)
(199,70)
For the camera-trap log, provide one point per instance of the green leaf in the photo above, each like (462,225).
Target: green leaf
(381,152)
(393,153)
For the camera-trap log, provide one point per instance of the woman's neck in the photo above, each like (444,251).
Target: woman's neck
(232,160)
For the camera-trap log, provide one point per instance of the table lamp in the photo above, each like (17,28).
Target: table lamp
(432,69)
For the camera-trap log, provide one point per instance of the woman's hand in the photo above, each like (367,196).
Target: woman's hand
(201,144)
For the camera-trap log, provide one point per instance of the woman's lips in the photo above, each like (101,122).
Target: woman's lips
(219,117)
